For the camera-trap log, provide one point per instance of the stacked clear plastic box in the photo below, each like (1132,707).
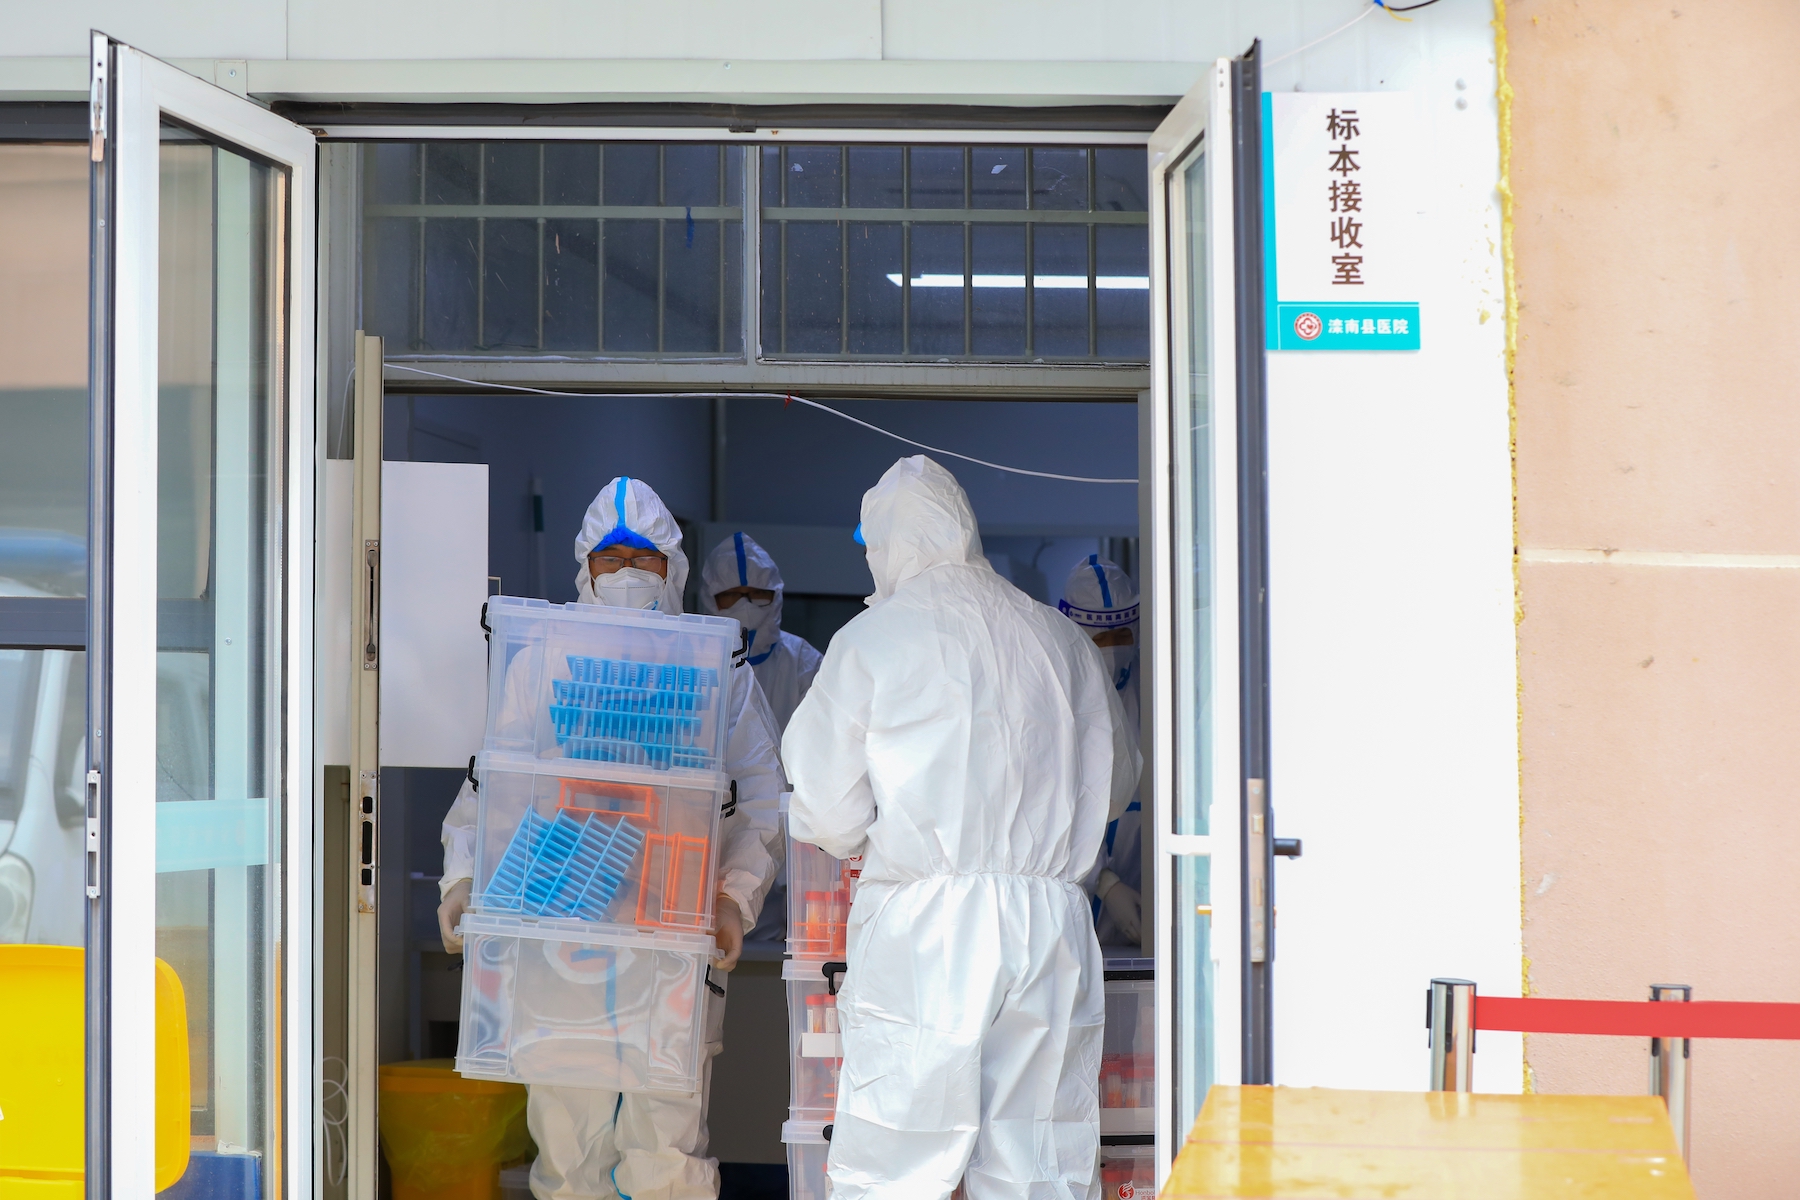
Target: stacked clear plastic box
(807,1147)
(586,945)
(820,889)
(1128,1172)
(815,1040)
(1128,1049)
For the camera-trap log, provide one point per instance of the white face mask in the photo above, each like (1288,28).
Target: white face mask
(1120,661)
(761,621)
(629,587)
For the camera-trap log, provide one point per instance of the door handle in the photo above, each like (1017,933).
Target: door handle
(1287,847)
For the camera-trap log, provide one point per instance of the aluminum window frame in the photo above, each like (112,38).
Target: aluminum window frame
(754,368)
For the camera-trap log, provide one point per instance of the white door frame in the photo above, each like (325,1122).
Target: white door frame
(1199,124)
(133,94)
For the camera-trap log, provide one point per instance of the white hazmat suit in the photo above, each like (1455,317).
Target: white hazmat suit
(968,742)
(785,663)
(1101,598)
(649,1145)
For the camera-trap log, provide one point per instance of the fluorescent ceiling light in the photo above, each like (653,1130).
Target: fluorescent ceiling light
(1103,282)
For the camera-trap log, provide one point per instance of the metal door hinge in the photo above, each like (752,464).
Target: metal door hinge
(365,851)
(93,858)
(97,89)
(1255,849)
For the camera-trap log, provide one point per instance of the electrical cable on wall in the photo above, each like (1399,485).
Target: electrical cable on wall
(1374,5)
(788,397)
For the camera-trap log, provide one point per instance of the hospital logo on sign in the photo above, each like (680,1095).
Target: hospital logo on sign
(1308,326)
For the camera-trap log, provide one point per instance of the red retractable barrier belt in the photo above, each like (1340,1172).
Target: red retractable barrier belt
(1640,1018)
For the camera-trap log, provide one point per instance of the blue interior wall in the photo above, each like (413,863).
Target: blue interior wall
(573,446)
(786,464)
(792,465)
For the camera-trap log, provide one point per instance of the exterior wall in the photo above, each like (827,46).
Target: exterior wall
(1657,438)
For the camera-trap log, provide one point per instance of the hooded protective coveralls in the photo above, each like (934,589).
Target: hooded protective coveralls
(785,663)
(1101,598)
(650,1145)
(968,742)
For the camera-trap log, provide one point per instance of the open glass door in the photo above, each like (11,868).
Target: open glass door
(1206,630)
(200,691)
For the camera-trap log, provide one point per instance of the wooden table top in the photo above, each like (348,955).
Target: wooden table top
(1301,1143)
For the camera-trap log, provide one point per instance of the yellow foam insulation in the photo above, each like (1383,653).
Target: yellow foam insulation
(1504,94)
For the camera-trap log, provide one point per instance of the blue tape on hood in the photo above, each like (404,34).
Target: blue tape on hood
(622,534)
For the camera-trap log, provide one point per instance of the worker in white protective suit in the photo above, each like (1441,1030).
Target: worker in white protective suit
(1101,598)
(597,1145)
(968,742)
(740,580)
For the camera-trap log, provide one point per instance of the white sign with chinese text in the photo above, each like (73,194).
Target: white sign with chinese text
(1341,236)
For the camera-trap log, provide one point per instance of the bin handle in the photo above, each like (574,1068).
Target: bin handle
(834,973)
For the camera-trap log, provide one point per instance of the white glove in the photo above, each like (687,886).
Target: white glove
(450,911)
(1124,905)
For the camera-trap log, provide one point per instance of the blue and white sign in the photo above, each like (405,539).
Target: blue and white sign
(1341,228)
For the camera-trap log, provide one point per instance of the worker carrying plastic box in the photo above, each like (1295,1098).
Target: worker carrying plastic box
(969,743)
(660,724)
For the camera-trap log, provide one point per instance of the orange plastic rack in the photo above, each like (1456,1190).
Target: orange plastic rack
(672,891)
(645,804)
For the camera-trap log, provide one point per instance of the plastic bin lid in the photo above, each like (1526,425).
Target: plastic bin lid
(438,1075)
(809,970)
(1123,969)
(586,932)
(531,608)
(517,763)
(803,1133)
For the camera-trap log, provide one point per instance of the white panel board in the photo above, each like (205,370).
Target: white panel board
(434,558)
(332,616)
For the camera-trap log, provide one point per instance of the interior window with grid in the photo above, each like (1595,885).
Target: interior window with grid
(512,247)
(955,252)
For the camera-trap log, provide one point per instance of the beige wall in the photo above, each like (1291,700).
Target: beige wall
(1658,264)
(43,277)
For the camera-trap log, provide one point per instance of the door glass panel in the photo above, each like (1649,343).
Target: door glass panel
(1191,380)
(1192,388)
(43,536)
(1194,982)
(219,651)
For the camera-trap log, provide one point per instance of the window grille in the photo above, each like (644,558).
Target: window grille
(943,252)
(554,247)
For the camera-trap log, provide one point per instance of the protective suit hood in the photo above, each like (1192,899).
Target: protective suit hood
(917,517)
(627,512)
(1099,595)
(739,562)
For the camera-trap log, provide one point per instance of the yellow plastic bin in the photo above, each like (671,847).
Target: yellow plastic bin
(43,1034)
(447,1137)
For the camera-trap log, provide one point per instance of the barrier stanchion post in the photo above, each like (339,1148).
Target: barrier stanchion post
(1451,1017)
(1669,1060)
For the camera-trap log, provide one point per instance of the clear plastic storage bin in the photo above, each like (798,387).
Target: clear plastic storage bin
(806,1151)
(1128,1051)
(604,684)
(815,1041)
(563,1003)
(819,889)
(1127,1173)
(630,847)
